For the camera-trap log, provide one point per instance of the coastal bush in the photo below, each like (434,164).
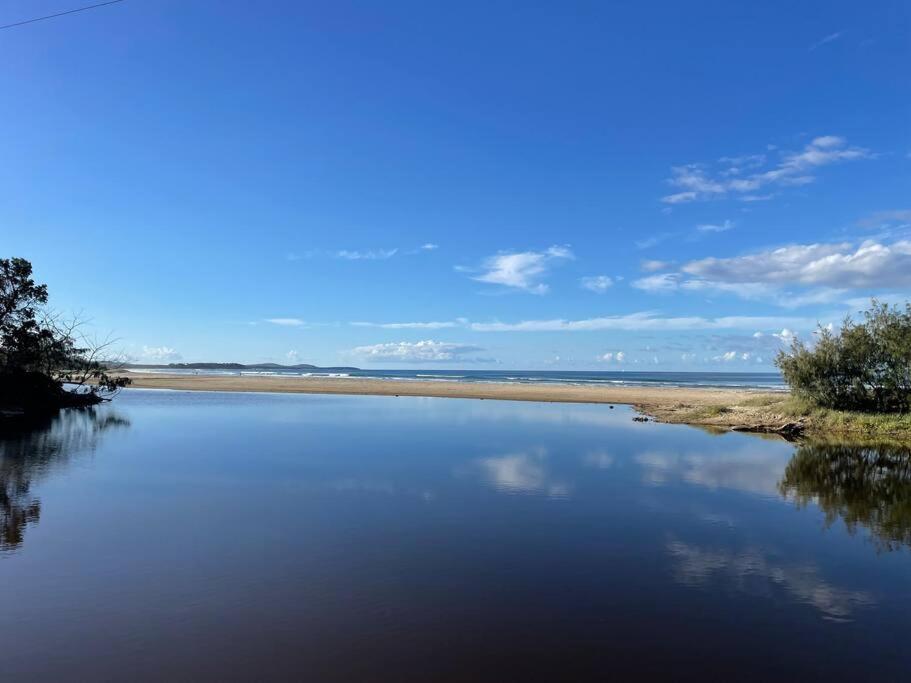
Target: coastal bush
(40,352)
(866,366)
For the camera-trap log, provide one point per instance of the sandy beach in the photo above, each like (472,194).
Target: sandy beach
(660,401)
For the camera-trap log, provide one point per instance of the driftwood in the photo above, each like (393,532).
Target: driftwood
(787,429)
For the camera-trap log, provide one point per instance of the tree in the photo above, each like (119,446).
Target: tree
(865,366)
(40,352)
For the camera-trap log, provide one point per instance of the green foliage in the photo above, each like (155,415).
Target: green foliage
(865,367)
(38,351)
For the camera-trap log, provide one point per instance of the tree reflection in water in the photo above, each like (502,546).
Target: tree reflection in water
(868,486)
(30,453)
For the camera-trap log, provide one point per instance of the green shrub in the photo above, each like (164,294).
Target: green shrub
(866,366)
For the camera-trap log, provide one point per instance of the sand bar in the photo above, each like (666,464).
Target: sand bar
(644,397)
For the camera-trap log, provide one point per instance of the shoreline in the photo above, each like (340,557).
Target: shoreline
(718,409)
(704,406)
(504,391)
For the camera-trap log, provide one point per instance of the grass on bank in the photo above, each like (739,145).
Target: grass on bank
(822,420)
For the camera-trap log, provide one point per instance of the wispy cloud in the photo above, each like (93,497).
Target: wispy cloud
(427,351)
(828,39)
(596,283)
(368,255)
(285,322)
(647,321)
(715,227)
(741,181)
(432,325)
(662,282)
(522,270)
(377,254)
(653,240)
(885,219)
(160,354)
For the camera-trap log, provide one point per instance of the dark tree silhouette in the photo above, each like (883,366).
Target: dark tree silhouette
(45,361)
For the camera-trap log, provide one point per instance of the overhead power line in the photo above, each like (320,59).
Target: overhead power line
(60,14)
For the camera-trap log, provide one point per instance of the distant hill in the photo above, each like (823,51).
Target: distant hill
(238,366)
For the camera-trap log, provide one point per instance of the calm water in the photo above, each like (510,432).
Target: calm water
(250,536)
(749,380)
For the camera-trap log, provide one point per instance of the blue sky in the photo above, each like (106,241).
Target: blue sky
(657,185)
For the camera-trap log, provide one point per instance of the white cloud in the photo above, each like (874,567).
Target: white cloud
(646,321)
(737,356)
(680,197)
(828,39)
(597,283)
(430,246)
(368,255)
(773,292)
(715,227)
(427,351)
(792,169)
(292,356)
(785,334)
(652,265)
(611,357)
(522,270)
(870,264)
(160,354)
(285,322)
(663,282)
(861,303)
(431,325)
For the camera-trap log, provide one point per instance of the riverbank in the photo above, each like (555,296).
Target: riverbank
(713,408)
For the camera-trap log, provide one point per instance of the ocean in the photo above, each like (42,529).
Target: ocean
(745,380)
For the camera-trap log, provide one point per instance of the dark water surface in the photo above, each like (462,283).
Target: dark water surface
(249,536)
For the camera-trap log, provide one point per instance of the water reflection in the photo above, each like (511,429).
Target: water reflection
(524,472)
(255,536)
(867,486)
(31,452)
(754,571)
(747,468)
